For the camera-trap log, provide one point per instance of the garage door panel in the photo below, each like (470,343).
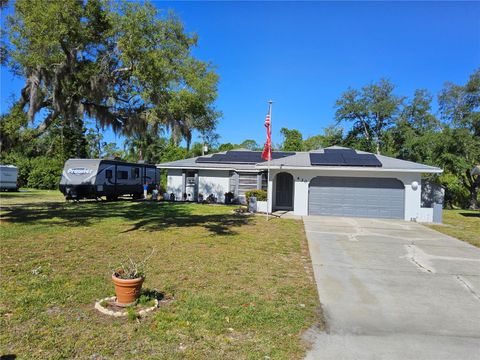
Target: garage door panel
(360,197)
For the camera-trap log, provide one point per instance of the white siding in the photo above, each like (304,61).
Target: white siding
(425,215)
(174,183)
(302,179)
(214,182)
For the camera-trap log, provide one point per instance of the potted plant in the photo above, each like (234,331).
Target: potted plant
(200,198)
(229,197)
(128,278)
(261,199)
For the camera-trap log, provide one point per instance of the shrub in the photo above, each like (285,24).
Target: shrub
(261,195)
(45,173)
(455,192)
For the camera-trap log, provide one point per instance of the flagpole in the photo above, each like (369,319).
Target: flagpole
(268,163)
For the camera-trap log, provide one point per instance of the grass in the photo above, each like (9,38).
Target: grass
(461,224)
(243,288)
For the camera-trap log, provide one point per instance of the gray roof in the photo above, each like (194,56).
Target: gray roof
(301,160)
(192,164)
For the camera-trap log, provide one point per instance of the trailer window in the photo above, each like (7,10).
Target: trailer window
(108,174)
(135,173)
(122,175)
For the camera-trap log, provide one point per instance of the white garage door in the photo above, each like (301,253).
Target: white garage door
(360,197)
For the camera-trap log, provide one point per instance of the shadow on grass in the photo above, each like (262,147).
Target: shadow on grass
(470,214)
(147,216)
(153,294)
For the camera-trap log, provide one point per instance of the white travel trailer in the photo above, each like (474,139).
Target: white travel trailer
(94,178)
(8,178)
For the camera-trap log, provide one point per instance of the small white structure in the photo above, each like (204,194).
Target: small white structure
(332,181)
(8,177)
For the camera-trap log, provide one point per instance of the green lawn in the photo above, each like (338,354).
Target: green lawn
(243,288)
(462,224)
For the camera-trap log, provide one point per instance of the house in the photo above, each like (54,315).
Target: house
(332,181)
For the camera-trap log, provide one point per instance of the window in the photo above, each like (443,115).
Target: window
(190,175)
(135,173)
(108,174)
(122,175)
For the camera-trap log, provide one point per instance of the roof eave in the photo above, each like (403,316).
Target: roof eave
(350,168)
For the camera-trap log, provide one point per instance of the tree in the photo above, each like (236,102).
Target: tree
(459,150)
(460,105)
(196,150)
(119,63)
(313,143)
(373,110)
(292,140)
(226,147)
(250,145)
(416,131)
(95,142)
(111,151)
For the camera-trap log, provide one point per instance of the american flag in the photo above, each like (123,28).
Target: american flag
(267,149)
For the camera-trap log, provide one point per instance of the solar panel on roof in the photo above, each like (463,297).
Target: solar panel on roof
(362,160)
(242,157)
(343,157)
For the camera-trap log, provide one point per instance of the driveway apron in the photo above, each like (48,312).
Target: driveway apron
(393,290)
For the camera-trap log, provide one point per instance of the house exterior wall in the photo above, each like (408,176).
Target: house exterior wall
(302,180)
(174,183)
(216,182)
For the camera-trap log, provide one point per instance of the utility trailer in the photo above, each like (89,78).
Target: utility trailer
(94,178)
(8,178)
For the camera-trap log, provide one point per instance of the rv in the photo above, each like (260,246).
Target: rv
(8,178)
(94,178)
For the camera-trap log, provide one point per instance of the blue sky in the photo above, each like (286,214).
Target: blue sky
(303,55)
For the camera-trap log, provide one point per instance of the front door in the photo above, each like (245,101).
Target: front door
(284,191)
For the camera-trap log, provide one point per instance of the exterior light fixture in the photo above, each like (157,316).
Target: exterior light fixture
(414,185)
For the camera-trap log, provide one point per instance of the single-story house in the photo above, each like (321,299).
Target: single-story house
(332,181)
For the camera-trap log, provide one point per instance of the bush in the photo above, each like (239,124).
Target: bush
(261,195)
(455,192)
(45,173)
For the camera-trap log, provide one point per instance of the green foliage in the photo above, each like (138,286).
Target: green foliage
(226,147)
(260,194)
(313,143)
(45,173)
(132,314)
(455,192)
(196,150)
(250,145)
(23,163)
(172,152)
(145,300)
(459,150)
(112,151)
(125,64)
(372,110)
(292,140)
(460,105)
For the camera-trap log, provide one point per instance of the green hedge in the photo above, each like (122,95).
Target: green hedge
(45,173)
(261,195)
(38,172)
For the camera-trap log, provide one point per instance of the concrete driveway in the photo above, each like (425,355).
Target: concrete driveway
(393,290)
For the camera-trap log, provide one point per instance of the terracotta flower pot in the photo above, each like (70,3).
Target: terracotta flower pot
(127,290)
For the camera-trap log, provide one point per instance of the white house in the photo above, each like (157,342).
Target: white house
(332,181)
